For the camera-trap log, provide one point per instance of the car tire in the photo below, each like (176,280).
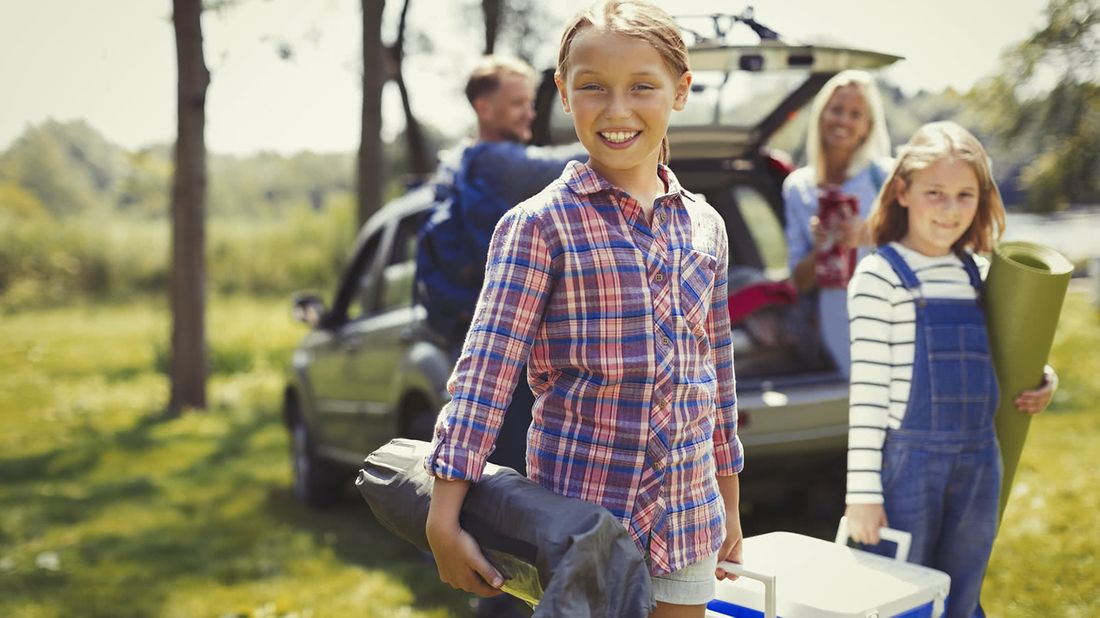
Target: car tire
(420,424)
(316,482)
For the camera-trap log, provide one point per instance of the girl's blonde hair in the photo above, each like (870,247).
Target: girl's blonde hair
(934,142)
(633,18)
(877,143)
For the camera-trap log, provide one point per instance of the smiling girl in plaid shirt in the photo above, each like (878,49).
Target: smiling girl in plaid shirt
(611,285)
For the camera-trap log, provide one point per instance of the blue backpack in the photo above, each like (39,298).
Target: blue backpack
(452,247)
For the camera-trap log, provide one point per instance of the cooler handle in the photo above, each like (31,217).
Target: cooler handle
(901,537)
(767,580)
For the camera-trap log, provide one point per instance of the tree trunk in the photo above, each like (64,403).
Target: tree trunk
(187,364)
(491,9)
(420,163)
(370,163)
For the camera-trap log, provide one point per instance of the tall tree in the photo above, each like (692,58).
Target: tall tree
(187,366)
(522,27)
(492,11)
(421,164)
(1062,123)
(370,163)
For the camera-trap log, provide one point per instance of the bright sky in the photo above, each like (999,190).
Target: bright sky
(112,62)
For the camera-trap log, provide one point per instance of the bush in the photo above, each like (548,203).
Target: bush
(46,261)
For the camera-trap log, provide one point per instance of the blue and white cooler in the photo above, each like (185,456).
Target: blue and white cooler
(804,577)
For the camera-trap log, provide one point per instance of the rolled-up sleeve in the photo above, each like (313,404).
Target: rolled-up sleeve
(728,453)
(518,281)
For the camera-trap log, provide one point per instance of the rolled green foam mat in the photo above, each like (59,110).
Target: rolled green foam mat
(1024,291)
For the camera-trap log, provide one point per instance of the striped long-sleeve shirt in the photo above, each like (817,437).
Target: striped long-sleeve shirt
(882,316)
(630,359)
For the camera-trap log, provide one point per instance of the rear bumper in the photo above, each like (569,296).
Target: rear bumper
(807,420)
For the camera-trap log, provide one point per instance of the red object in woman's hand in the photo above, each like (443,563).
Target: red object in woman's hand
(835,260)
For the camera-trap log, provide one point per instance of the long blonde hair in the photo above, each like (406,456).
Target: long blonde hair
(633,18)
(877,143)
(933,142)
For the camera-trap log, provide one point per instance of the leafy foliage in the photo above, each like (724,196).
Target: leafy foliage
(69,167)
(1058,126)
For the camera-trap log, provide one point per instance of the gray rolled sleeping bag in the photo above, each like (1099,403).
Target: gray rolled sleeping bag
(571,557)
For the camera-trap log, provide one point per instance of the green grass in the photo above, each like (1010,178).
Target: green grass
(107,508)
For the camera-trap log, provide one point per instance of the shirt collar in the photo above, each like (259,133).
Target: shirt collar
(583,180)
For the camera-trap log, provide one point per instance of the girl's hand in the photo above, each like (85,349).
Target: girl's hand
(457,554)
(731,546)
(864,521)
(730,488)
(1035,401)
(460,561)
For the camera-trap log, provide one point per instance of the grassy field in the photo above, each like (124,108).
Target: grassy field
(109,509)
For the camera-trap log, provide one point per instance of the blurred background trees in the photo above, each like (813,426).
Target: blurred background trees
(1044,108)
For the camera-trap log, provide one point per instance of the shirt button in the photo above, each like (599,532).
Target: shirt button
(665,341)
(659,277)
(662,217)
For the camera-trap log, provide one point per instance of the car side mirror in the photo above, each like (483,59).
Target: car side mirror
(308,308)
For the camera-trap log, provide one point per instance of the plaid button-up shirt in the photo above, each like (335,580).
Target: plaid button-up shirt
(626,333)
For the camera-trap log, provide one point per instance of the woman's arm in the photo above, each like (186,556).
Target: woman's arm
(805,271)
(801,230)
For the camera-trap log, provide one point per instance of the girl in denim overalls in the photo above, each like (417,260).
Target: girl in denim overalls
(923,455)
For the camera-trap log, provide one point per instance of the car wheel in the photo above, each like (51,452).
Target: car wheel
(316,482)
(421,424)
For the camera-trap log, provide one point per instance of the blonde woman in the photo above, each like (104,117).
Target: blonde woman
(847,146)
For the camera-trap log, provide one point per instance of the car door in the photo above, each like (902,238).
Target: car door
(332,371)
(384,336)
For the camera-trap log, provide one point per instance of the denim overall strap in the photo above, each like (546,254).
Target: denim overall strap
(908,278)
(971,270)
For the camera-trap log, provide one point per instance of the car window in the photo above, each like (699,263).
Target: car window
(400,269)
(363,294)
(737,99)
(766,230)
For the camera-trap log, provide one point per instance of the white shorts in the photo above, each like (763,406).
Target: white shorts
(691,585)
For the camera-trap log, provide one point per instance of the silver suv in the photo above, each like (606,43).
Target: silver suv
(369,371)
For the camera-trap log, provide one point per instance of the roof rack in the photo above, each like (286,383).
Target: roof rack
(723,23)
